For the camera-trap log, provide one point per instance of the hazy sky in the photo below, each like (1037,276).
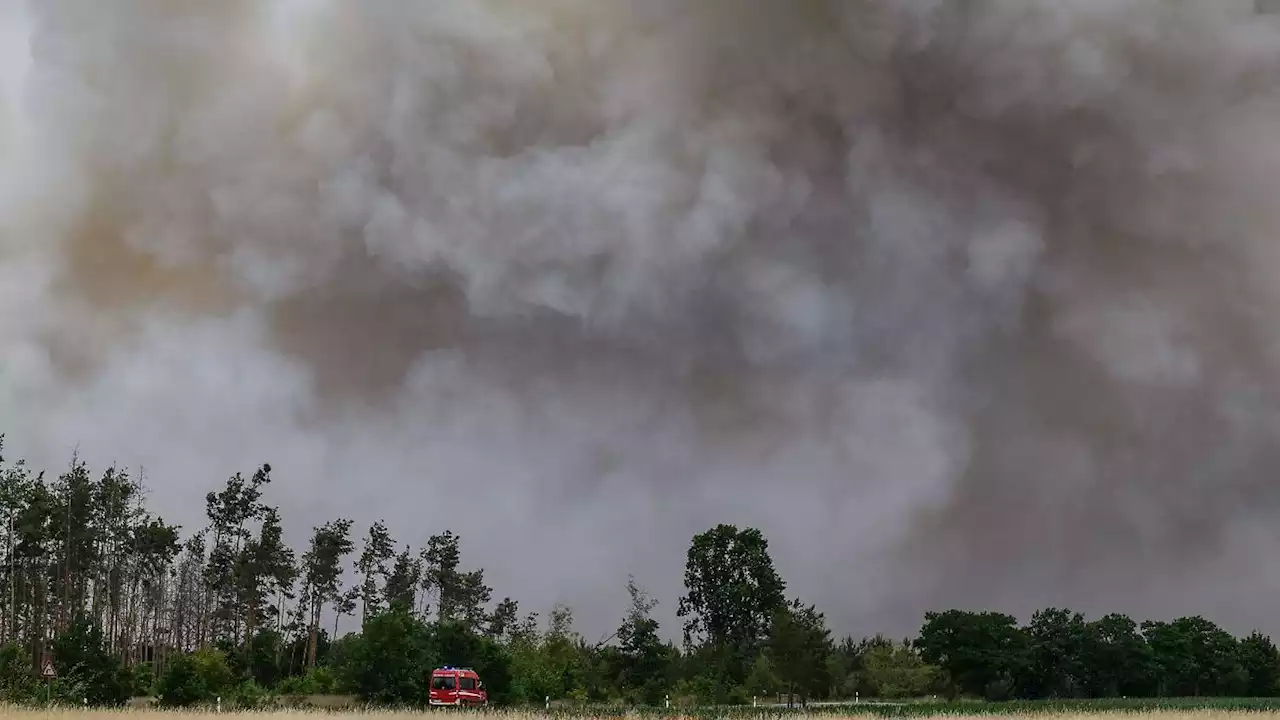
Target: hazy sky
(963,302)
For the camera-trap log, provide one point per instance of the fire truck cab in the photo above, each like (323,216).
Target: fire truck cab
(456,686)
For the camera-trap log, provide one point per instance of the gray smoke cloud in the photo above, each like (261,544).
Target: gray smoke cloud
(963,302)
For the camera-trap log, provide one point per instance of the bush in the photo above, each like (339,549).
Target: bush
(323,680)
(88,670)
(142,680)
(389,663)
(895,672)
(17,683)
(195,678)
(265,658)
(181,685)
(248,695)
(211,666)
(317,681)
(294,685)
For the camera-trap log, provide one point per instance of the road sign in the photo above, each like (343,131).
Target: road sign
(48,670)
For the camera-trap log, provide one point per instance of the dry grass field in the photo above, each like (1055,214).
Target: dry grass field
(7,713)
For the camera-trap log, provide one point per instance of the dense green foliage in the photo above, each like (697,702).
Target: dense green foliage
(123,605)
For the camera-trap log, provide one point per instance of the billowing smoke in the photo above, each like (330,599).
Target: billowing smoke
(963,302)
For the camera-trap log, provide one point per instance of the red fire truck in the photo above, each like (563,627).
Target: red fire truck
(457,686)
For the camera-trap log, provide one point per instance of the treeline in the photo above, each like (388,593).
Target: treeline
(126,605)
(1060,654)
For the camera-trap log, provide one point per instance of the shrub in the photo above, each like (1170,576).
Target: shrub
(17,682)
(317,681)
(211,666)
(181,685)
(248,695)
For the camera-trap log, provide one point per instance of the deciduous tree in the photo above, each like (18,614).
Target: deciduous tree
(733,593)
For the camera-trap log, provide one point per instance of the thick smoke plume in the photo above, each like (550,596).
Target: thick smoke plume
(964,302)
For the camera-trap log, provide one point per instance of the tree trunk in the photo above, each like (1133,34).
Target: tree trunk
(155,625)
(66,566)
(42,630)
(315,632)
(12,633)
(202,610)
(249,622)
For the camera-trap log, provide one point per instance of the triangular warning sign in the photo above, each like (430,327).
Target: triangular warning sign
(48,670)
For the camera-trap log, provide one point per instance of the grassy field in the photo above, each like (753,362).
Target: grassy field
(76,714)
(1173,709)
(1171,706)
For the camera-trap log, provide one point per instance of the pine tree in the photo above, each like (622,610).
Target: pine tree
(402,582)
(264,564)
(322,570)
(460,596)
(440,559)
(378,550)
